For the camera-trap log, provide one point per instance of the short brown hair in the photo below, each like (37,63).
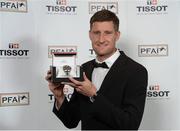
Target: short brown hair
(105,15)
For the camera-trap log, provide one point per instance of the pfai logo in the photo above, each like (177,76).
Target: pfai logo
(14,99)
(61,49)
(158,50)
(13,5)
(97,6)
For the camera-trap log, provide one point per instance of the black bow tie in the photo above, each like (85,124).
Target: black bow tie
(102,65)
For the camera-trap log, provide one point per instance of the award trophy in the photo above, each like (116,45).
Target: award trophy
(64,66)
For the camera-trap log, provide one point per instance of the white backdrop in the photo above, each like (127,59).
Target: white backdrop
(41,28)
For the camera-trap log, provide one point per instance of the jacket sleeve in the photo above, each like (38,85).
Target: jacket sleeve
(129,115)
(69,112)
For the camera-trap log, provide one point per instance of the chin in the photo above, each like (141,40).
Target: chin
(101,54)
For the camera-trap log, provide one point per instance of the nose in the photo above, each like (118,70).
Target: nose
(101,38)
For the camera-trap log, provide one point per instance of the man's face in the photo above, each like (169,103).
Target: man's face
(103,37)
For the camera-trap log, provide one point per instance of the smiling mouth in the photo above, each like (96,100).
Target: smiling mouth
(102,44)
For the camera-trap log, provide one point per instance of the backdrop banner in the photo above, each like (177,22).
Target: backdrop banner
(31,30)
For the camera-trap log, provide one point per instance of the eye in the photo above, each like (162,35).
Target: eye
(108,32)
(96,32)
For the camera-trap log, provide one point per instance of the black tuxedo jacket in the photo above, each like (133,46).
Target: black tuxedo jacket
(119,103)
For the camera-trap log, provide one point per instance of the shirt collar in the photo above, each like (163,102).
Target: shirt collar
(110,61)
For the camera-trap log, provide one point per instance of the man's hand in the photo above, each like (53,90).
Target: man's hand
(85,87)
(56,89)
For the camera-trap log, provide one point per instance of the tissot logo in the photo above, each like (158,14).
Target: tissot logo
(68,91)
(153,50)
(13,46)
(52,98)
(61,2)
(14,51)
(61,49)
(13,5)
(97,6)
(154,91)
(14,99)
(152,2)
(92,53)
(61,7)
(152,7)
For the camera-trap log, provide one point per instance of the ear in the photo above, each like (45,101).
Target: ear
(118,33)
(90,37)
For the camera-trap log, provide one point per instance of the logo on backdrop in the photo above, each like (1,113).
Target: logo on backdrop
(153,50)
(97,6)
(92,53)
(14,99)
(155,92)
(13,5)
(61,7)
(149,7)
(68,91)
(61,49)
(61,2)
(14,51)
(51,98)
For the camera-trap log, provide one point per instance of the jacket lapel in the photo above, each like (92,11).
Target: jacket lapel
(90,70)
(119,64)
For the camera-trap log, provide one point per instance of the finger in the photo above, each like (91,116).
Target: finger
(48,77)
(48,72)
(70,84)
(61,85)
(65,83)
(84,76)
(54,85)
(78,90)
(75,81)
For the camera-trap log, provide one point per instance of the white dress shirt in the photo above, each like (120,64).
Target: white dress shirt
(99,73)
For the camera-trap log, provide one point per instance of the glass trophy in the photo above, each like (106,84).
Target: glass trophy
(64,66)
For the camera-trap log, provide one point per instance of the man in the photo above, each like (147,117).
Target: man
(111,96)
